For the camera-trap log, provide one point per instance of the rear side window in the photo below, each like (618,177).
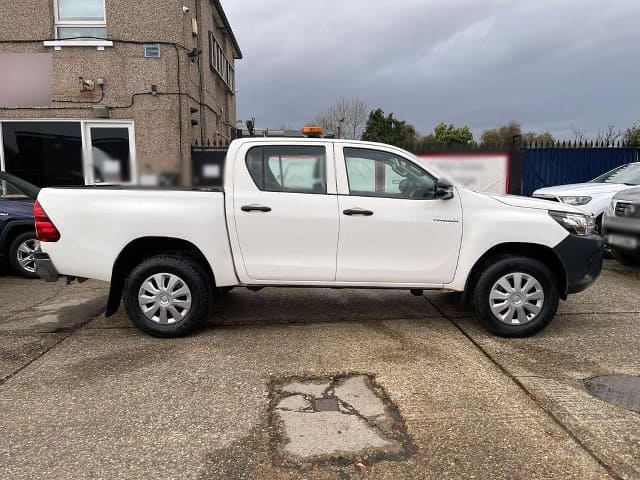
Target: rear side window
(293,169)
(12,188)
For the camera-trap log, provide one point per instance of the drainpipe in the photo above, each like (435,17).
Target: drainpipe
(200,72)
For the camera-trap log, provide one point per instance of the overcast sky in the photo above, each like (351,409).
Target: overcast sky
(548,64)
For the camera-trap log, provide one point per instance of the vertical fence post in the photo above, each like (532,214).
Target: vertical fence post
(516,171)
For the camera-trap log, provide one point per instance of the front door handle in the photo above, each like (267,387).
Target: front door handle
(358,211)
(255,208)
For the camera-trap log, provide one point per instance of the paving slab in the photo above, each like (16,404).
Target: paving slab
(358,393)
(18,295)
(35,306)
(611,432)
(18,350)
(325,434)
(615,291)
(35,316)
(114,403)
(554,364)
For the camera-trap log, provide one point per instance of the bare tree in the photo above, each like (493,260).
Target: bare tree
(608,136)
(348,118)
(578,134)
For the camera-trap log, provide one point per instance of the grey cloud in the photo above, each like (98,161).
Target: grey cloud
(549,64)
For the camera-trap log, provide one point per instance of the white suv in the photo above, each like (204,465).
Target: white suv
(595,195)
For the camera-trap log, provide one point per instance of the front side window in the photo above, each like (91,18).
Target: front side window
(293,169)
(80,18)
(628,174)
(374,173)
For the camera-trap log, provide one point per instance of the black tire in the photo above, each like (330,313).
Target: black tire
(190,273)
(13,255)
(495,271)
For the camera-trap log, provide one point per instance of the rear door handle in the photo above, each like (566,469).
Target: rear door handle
(358,211)
(255,208)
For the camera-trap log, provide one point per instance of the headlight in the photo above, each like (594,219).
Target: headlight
(575,200)
(575,223)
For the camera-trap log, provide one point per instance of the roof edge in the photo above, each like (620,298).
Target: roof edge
(218,6)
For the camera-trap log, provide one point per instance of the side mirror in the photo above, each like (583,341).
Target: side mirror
(444,190)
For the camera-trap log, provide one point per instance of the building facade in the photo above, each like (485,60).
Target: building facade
(129,88)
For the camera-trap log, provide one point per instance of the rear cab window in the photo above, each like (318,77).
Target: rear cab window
(288,168)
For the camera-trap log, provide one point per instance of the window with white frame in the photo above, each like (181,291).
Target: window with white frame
(80,19)
(220,63)
(68,152)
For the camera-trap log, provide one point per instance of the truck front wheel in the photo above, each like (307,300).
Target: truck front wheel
(167,296)
(515,296)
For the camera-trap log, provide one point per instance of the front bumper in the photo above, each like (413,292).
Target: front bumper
(582,260)
(45,268)
(624,227)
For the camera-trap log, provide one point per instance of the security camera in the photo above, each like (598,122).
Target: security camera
(185,9)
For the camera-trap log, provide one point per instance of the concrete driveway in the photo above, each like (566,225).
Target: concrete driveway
(101,400)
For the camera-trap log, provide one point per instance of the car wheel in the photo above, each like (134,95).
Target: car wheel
(21,254)
(167,296)
(516,297)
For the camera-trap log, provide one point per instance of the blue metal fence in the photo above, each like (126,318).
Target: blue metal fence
(545,167)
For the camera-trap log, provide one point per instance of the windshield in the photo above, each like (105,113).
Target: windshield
(12,187)
(628,174)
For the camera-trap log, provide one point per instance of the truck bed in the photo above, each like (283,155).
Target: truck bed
(97,223)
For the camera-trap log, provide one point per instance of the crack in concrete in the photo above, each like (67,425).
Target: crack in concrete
(32,307)
(47,350)
(352,411)
(66,331)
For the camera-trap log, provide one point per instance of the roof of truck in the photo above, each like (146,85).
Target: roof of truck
(309,140)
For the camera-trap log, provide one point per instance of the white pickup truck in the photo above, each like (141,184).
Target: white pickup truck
(318,213)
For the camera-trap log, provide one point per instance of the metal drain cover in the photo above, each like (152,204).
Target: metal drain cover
(619,390)
(326,404)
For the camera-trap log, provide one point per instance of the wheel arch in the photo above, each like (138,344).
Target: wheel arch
(532,250)
(13,229)
(141,248)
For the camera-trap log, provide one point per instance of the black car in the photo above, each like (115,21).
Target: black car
(17,232)
(621,226)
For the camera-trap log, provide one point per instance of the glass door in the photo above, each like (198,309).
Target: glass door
(109,153)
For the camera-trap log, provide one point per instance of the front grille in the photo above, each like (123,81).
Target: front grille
(627,209)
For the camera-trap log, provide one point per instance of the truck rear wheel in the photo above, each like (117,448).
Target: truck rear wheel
(167,296)
(516,297)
